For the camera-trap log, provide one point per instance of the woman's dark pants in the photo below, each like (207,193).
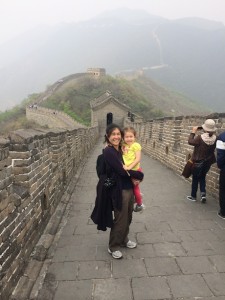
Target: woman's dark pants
(121,223)
(201,181)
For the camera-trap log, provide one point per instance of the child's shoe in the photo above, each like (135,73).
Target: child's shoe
(139,208)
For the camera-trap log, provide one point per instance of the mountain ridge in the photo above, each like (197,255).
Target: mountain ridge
(73,93)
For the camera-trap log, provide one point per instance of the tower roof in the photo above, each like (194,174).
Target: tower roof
(104,98)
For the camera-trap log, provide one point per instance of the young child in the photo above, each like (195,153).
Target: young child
(132,157)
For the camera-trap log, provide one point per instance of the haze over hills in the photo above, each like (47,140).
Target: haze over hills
(187,55)
(144,97)
(73,93)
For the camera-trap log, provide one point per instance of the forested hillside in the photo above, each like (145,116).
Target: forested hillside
(72,96)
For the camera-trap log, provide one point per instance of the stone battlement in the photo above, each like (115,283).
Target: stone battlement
(51,118)
(35,170)
(166,139)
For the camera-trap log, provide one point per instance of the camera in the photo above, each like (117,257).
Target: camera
(200,128)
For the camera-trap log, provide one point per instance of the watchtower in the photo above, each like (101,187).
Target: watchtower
(96,71)
(107,109)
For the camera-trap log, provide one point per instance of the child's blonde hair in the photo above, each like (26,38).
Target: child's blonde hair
(129,129)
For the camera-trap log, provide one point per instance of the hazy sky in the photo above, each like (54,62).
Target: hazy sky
(17,16)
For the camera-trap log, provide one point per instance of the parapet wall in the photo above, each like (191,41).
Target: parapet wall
(51,118)
(165,139)
(35,169)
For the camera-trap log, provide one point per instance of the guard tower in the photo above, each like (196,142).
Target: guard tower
(106,109)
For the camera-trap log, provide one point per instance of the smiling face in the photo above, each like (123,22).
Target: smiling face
(129,138)
(115,138)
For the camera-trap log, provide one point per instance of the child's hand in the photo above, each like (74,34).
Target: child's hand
(135,181)
(125,168)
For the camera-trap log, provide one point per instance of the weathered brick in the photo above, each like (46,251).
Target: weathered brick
(20,155)
(21,170)
(21,162)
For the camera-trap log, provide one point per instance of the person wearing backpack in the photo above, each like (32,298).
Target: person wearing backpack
(116,198)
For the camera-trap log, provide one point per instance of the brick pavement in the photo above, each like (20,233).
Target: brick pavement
(180,253)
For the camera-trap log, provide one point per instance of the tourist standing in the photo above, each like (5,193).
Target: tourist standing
(203,157)
(220,148)
(119,197)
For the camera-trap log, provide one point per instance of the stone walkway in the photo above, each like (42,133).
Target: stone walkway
(180,253)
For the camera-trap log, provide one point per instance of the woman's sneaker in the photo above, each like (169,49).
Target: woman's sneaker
(203,199)
(131,244)
(191,198)
(220,215)
(115,254)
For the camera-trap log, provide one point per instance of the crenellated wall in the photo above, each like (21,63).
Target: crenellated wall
(165,139)
(51,118)
(35,170)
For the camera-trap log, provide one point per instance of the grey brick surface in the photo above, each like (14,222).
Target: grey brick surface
(169,249)
(112,289)
(216,283)
(195,265)
(94,269)
(218,262)
(129,268)
(72,290)
(159,266)
(180,253)
(151,288)
(188,286)
(63,271)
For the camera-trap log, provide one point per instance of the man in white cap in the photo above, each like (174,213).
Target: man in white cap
(220,148)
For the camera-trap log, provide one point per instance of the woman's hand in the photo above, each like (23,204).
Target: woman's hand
(194,129)
(127,168)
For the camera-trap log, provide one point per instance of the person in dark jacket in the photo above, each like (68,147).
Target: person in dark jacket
(203,157)
(220,148)
(118,198)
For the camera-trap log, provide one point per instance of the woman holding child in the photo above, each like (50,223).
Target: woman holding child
(119,197)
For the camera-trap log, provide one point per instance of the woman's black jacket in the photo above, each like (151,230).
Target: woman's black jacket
(109,198)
